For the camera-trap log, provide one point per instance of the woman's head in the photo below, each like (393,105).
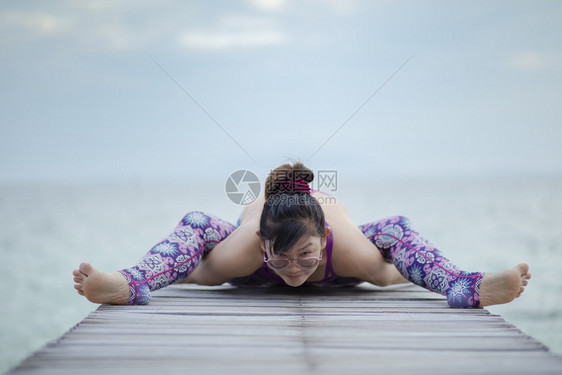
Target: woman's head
(289,211)
(292,222)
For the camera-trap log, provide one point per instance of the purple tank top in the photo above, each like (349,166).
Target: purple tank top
(265,276)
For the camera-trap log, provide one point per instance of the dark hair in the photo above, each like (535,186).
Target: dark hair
(289,211)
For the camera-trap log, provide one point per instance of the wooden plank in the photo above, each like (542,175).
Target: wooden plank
(217,330)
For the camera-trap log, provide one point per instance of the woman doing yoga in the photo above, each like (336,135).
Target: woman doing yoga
(294,236)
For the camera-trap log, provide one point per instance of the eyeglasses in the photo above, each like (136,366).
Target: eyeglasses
(281,264)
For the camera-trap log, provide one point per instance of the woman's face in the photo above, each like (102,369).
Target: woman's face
(306,247)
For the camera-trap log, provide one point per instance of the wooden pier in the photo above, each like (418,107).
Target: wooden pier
(189,329)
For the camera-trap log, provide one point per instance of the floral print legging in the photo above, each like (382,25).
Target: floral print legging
(177,255)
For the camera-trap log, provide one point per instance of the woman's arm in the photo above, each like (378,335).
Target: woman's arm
(237,256)
(355,256)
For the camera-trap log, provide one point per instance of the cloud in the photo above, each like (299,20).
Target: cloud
(41,23)
(244,22)
(268,5)
(226,40)
(94,5)
(234,31)
(25,27)
(337,6)
(117,37)
(533,60)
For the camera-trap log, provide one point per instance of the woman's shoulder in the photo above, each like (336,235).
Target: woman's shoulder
(352,252)
(333,208)
(252,212)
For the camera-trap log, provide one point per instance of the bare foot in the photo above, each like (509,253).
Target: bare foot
(503,287)
(101,287)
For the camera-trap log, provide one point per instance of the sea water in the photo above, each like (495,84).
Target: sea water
(481,224)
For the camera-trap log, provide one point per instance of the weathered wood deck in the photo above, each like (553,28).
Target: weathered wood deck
(225,330)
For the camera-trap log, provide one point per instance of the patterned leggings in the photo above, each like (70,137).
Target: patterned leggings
(421,263)
(177,255)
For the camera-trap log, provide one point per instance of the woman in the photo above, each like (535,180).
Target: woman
(294,236)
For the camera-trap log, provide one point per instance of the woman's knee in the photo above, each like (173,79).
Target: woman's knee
(402,221)
(204,221)
(196,219)
(209,229)
(391,221)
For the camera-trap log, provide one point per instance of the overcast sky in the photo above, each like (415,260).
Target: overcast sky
(94,90)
